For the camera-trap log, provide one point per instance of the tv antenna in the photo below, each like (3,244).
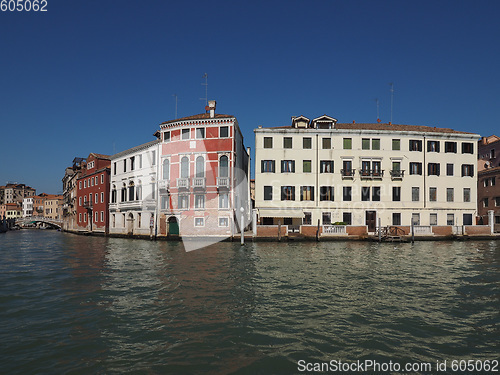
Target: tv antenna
(392,97)
(175,95)
(206,88)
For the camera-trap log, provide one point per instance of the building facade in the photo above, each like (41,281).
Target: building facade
(203,176)
(15,193)
(28,207)
(70,191)
(133,194)
(489,180)
(92,212)
(321,171)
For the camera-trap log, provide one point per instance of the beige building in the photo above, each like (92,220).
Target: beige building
(71,176)
(489,181)
(15,193)
(321,171)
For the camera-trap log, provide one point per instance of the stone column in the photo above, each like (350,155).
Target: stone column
(254,222)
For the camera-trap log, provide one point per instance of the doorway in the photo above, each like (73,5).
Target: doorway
(371,220)
(173,226)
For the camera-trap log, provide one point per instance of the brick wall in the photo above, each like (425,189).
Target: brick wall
(271,231)
(442,230)
(310,230)
(361,230)
(472,230)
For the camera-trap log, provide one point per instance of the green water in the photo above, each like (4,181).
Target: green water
(87,305)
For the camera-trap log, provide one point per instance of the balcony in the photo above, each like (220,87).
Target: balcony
(223,182)
(371,174)
(397,174)
(199,182)
(347,174)
(163,186)
(183,183)
(87,205)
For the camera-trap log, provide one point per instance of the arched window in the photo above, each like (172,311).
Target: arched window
(166,169)
(223,166)
(113,194)
(200,166)
(185,167)
(131,195)
(138,191)
(124,193)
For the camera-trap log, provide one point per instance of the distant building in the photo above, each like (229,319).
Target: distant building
(93,195)
(71,176)
(133,199)
(48,206)
(15,193)
(28,207)
(488,188)
(12,211)
(322,171)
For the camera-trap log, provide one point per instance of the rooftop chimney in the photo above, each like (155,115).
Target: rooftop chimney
(211,107)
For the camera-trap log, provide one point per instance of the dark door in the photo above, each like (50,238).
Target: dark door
(173,226)
(371,219)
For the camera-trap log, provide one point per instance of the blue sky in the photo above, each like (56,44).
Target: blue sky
(99,76)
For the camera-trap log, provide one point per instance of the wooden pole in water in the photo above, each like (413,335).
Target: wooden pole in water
(317,232)
(412,232)
(279,230)
(379,231)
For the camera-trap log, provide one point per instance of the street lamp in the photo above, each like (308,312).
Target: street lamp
(242,225)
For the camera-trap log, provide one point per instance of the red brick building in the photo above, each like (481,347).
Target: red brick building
(93,195)
(488,179)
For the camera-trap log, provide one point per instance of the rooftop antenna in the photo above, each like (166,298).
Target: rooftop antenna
(175,105)
(378,114)
(206,88)
(392,97)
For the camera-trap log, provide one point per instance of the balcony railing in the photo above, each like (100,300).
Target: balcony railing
(397,174)
(371,174)
(334,230)
(199,182)
(347,173)
(87,205)
(183,183)
(163,185)
(223,182)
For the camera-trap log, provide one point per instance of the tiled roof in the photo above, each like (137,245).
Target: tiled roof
(100,156)
(133,149)
(388,127)
(201,116)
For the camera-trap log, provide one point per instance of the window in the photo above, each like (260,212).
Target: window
(267,166)
(184,167)
(347,168)
(415,194)
(199,201)
(131,192)
(166,137)
(102,216)
(467,219)
(223,166)
(415,218)
(326,218)
(80,218)
(113,195)
(84,184)
(124,194)
(91,182)
(326,193)
(96,180)
(268,142)
(376,193)
(183,202)
(164,202)
(224,132)
(365,143)
(365,193)
(288,166)
(166,169)
(416,168)
(396,218)
(288,193)
(468,170)
(497,201)
(223,222)
(450,219)
(347,193)
(433,169)
(102,197)
(375,144)
(467,148)
(200,133)
(365,168)
(96,216)
(347,218)
(307,193)
(185,134)
(307,218)
(200,167)
(492,153)
(306,166)
(102,179)
(224,200)
(485,202)
(432,146)
(497,219)
(449,195)
(287,142)
(347,143)
(433,219)
(432,194)
(466,194)
(326,166)
(396,193)
(85,217)
(199,221)
(114,171)
(396,144)
(307,142)
(415,145)
(449,169)
(268,193)
(327,143)
(138,191)
(140,161)
(450,147)
(153,157)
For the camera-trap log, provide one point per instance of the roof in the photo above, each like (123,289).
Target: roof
(387,127)
(100,156)
(201,116)
(134,149)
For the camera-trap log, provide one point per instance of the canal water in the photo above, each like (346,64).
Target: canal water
(89,305)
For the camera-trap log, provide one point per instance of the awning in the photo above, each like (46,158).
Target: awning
(280,213)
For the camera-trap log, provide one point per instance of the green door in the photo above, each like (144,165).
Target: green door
(173,227)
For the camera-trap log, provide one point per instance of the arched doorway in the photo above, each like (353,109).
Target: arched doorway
(173,226)
(130,226)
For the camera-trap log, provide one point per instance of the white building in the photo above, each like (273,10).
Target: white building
(28,207)
(322,171)
(133,190)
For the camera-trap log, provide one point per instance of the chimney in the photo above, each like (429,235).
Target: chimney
(211,107)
